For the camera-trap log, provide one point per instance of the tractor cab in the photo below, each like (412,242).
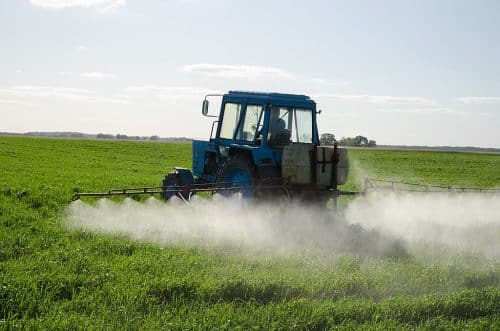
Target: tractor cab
(254,128)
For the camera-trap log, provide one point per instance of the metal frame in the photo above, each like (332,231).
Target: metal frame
(392,185)
(194,188)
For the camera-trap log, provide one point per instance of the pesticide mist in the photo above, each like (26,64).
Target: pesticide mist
(460,221)
(384,225)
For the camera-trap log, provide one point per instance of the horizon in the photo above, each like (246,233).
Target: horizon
(401,73)
(51,134)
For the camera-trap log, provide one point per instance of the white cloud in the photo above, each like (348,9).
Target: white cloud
(99,5)
(389,99)
(482,100)
(28,92)
(236,71)
(169,92)
(97,75)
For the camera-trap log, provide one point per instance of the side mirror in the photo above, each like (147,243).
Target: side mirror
(204,107)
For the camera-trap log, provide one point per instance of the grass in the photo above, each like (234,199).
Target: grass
(428,167)
(55,278)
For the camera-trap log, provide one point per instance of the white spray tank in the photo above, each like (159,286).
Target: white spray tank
(296,164)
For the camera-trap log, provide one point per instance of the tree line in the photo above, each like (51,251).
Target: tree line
(125,137)
(358,141)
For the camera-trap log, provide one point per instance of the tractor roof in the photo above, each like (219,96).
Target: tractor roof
(272,97)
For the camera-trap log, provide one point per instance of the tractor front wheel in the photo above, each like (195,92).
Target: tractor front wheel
(237,173)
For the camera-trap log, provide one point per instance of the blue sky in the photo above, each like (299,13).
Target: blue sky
(399,72)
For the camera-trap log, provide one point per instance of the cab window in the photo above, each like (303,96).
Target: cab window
(248,127)
(230,121)
(302,126)
(296,121)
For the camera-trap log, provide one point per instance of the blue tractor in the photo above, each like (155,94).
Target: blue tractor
(260,145)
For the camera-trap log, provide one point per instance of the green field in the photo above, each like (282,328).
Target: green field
(53,277)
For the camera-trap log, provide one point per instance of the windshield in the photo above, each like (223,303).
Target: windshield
(238,125)
(249,124)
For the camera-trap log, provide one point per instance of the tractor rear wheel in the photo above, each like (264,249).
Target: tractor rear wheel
(239,172)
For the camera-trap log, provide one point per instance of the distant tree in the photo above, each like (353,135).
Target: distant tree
(122,136)
(154,138)
(327,139)
(104,136)
(358,141)
(346,141)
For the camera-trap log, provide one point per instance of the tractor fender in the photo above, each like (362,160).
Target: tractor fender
(180,178)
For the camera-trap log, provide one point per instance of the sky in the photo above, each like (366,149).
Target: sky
(399,72)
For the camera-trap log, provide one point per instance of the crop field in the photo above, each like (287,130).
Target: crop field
(57,276)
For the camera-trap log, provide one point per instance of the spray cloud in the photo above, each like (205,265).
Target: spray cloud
(377,225)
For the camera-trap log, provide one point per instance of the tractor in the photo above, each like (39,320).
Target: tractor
(263,144)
